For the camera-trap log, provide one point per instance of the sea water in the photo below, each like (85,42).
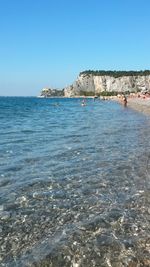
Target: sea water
(74,183)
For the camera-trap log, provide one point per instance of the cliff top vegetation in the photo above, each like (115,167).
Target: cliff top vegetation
(114,73)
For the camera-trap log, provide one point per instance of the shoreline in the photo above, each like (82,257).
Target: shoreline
(139,104)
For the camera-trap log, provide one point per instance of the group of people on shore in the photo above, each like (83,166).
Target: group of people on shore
(141,95)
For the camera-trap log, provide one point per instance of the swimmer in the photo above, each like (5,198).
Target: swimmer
(83,103)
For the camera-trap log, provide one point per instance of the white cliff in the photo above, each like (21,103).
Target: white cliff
(95,84)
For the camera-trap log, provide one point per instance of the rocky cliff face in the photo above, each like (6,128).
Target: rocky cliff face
(48,92)
(92,84)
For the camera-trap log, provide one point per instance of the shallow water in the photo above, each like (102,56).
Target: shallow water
(74,184)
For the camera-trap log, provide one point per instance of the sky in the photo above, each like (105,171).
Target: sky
(47,43)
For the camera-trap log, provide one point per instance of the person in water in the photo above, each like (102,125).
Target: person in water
(124,100)
(83,102)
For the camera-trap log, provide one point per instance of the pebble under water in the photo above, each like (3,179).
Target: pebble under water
(74,184)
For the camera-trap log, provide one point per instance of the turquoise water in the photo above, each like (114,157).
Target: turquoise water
(74,183)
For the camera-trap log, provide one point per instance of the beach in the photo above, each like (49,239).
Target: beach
(140,104)
(135,102)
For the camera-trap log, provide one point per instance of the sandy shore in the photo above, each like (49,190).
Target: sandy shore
(140,104)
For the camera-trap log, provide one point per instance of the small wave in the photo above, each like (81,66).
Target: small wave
(27,131)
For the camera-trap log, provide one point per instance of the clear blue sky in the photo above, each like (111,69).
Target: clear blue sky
(48,42)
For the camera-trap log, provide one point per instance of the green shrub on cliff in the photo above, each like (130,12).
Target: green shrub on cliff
(106,93)
(103,93)
(115,74)
(86,93)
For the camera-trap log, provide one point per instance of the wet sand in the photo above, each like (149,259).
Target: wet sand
(140,104)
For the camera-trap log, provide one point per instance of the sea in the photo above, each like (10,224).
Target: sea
(74,183)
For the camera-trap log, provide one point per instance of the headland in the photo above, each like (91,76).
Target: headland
(135,85)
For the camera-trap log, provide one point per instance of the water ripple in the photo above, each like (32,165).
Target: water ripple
(74,184)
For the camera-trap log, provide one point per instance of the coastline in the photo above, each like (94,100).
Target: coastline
(139,104)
